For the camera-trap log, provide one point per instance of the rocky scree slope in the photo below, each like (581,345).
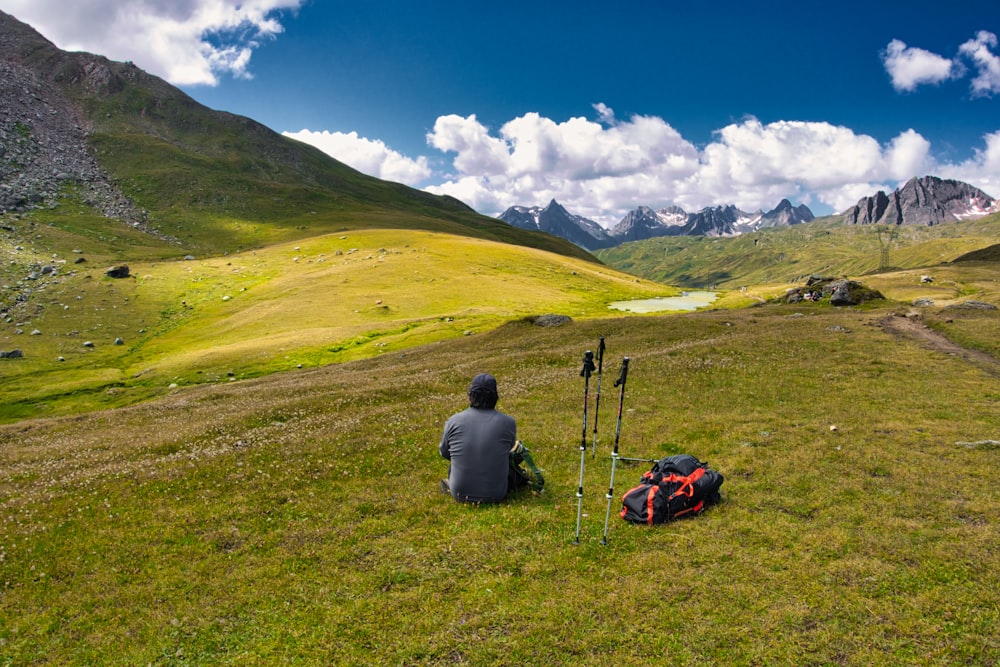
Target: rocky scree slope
(43,136)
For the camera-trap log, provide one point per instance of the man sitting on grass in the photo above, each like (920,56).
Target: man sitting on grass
(481,444)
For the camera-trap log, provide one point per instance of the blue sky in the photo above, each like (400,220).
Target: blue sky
(602,106)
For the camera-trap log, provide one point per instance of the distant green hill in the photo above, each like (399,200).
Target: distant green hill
(782,255)
(988,254)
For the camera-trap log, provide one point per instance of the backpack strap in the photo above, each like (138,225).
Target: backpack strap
(650,490)
(696,509)
(687,483)
(687,489)
(650,497)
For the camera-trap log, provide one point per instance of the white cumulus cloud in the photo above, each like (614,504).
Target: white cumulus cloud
(476,151)
(532,159)
(757,161)
(370,156)
(987,81)
(982,170)
(909,67)
(187,42)
(602,171)
(908,155)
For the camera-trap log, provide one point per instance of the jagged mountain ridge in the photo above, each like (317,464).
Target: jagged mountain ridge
(556,220)
(923,201)
(786,214)
(645,223)
(927,200)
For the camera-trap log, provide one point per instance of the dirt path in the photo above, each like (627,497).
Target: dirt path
(909,327)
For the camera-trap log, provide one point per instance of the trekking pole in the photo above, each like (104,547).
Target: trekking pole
(588,368)
(622,378)
(597,399)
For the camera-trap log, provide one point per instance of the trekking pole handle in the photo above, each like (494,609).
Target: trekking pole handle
(623,376)
(588,364)
(597,402)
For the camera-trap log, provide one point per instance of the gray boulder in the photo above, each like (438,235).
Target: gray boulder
(118,271)
(851,293)
(551,320)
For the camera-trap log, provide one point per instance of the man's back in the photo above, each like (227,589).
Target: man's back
(478,441)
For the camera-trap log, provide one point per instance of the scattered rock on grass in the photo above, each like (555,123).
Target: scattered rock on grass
(550,320)
(972,304)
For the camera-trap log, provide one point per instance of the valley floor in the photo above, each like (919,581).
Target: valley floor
(294,518)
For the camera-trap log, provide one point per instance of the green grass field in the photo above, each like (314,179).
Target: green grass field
(326,299)
(295,518)
(251,476)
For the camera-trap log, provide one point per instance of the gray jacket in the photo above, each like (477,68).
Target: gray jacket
(478,441)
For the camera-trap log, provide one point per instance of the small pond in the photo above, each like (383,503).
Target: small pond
(686,301)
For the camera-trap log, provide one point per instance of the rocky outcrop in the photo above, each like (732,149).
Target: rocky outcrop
(550,320)
(922,201)
(840,291)
(851,293)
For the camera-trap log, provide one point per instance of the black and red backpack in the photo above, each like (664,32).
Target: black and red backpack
(675,487)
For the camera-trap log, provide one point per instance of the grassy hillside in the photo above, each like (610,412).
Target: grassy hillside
(208,191)
(200,174)
(320,300)
(296,518)
(790,254)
